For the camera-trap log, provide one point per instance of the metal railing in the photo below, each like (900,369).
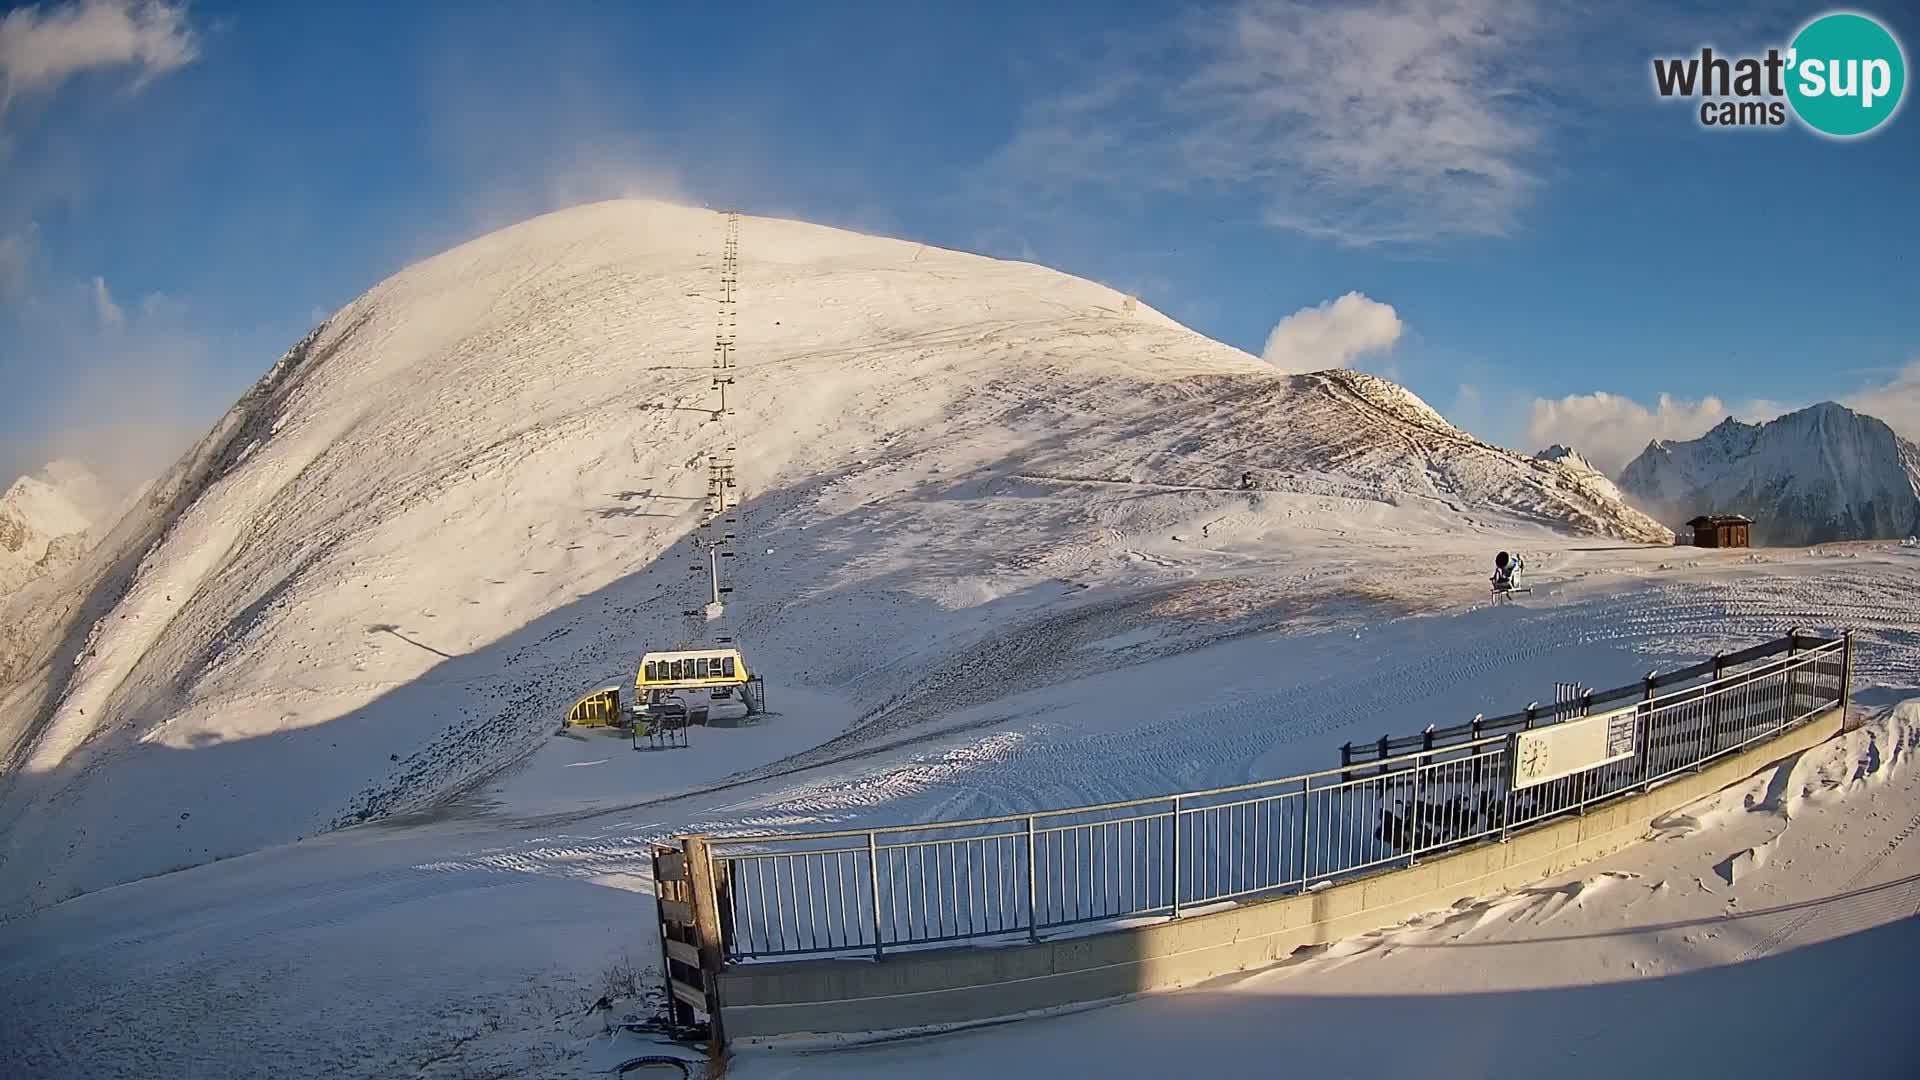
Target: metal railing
(1017,876)
(1564,701)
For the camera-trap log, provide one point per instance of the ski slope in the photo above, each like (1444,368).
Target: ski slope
(470,941)
(460,502)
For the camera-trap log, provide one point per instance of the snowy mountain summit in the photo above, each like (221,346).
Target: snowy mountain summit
(47,520)
(1822,473)
(466,498)
(1566,455)
(1572,459)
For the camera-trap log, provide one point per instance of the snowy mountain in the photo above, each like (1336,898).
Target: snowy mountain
(46,520)
(1572,459)
(465,498)
(1566,455)
(1822,473)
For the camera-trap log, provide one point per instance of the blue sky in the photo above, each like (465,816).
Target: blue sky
(1539,246)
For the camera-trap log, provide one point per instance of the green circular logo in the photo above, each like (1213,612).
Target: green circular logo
(1845,73)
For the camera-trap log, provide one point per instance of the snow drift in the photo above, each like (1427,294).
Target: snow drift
(1822,473)
(456,503)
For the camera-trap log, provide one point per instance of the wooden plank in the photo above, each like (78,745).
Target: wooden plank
(670,866)
(689,994)
(674,911)
(683,952)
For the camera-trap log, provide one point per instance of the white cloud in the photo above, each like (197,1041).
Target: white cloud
(105,311)
(1380,121)
(43,46)
(1897,401)
(1332,334)
(1610,430)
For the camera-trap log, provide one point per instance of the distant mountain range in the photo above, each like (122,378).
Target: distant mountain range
(1820,474)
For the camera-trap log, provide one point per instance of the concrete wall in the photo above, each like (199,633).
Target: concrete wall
(970,983)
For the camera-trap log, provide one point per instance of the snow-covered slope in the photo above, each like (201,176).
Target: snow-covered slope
(463,499)
(1822,473)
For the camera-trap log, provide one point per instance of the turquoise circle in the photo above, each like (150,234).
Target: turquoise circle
(1852,53)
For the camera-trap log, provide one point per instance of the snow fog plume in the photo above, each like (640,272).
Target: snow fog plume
(1609,430)
(16,258)
(1375,122)
(140,383)
(525,117)
(1332,334)
(43,46)
(104,309)
(1897,402)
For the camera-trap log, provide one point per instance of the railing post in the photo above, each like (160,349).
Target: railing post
(873,879)
(1413,817)
(1646,737)
(1715,700)
(1033,905)
(1176,856)
(1846,678)
(1506,798)
(1306,832)
(1788,709)
(1479,762)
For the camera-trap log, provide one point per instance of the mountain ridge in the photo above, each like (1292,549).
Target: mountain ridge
(1822,473)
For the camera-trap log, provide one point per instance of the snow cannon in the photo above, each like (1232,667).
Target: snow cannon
(1506,577)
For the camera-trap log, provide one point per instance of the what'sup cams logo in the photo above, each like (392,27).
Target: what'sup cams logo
(1843,76)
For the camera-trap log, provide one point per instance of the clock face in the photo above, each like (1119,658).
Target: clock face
(1533,759)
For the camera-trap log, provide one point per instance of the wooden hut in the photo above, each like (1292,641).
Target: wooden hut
(1721,530)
